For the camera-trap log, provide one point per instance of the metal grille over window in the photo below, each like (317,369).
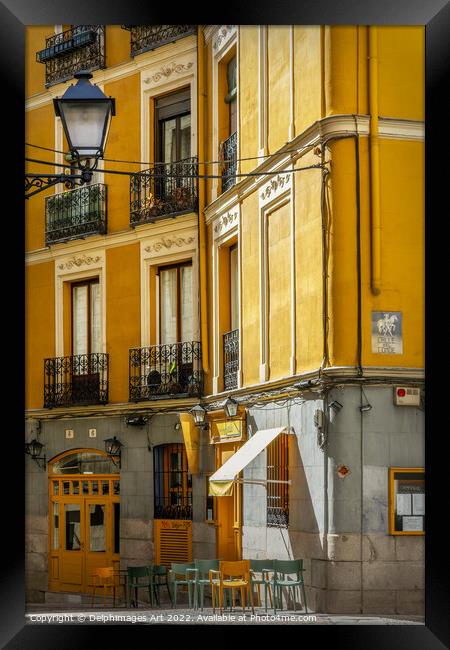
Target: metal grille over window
(173,483)
(75,214)
(278,493)
(228,156)
(230,359)
(149,37)
(80,48)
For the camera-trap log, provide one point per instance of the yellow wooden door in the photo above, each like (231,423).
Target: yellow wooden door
(229,524)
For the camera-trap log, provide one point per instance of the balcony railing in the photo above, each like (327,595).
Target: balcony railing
(164,190)
(81,379)
(173,369)
(149,37)
(228,156)
(80,48)
(230,359)
(75,214)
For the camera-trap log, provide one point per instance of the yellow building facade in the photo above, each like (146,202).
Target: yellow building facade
(288,276)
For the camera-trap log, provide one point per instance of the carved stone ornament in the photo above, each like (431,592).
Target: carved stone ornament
(169,242)
(224,32)
(79,261)
(167,70)
(226,221)
(275,184)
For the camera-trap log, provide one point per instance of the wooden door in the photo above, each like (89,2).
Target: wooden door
(229,520)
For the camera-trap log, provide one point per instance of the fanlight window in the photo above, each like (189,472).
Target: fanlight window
(85,462)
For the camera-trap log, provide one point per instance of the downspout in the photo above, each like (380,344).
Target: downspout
(374,162)
(201,201)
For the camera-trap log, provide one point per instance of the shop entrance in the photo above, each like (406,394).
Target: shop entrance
(84,517)
(229,512)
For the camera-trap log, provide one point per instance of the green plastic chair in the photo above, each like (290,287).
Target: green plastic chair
(159,574)
(262,567)
(182,574)
(202,578)
(282,569)
(140,577)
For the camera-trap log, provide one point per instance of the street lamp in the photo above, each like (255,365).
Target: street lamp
(113,449)
(85,113)
(34,449)
(231,407)
(199,414)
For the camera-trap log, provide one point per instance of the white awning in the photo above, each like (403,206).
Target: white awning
(221,482)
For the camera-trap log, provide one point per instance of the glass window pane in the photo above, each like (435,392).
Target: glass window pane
(80,334)
(75,487)
(95,318)
(168,279)
(187,327)
(94,487)
(73,531)
(56,488)
(169,141)
(185,137)
(66,487)
(85,463)
(105,487)
(56,525)
(116,487)
(85,487)
(409,502)
(234,288)
(97,527)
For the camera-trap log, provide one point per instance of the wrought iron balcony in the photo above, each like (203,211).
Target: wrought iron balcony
(80,48)
(162,191)
(75,214)
(81,379)
(228,156)
(149,37)
(230,359)
(159,371)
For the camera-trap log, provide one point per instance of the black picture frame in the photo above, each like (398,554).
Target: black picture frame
(14,16)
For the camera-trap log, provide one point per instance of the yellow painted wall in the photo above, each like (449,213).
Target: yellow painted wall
(279,291)
(123,318)
(402,66)
(117,47)
(35,72)
(250,290)
(39,130)
(123,143)
(308,267)
(307,76)
(39,329)
(402,252)
(248,95)
(278,75)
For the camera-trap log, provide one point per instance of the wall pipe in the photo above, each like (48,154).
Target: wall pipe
(374,162)
(201,202)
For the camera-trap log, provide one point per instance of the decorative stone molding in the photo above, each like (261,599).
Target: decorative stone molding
(226,222)
(167,70)
(223,36)
(168,243)
(79,261)
(275,187)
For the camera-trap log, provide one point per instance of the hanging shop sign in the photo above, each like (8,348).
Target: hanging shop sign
(387,332)
(226,430)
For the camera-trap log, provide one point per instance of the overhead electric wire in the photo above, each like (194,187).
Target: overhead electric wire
(155,175)
(203,162)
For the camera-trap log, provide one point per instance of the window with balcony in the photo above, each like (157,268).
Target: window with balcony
(173,367)
(82,377)
(228,148)
(82,47)
(231,338)
(149,37)
(170,186)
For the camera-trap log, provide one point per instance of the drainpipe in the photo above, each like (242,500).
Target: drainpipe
(374,162)
(201,200)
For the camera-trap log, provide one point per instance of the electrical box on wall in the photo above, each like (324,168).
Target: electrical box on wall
(406,396)
(69,433)
(318,418)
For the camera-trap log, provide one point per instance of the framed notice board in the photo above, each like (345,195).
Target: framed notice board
(406,501)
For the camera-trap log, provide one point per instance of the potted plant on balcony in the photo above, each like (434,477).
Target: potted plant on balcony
(173,385)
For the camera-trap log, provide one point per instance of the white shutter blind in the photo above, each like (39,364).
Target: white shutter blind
(95,318)
(187,332)
(80,334)
(169,306)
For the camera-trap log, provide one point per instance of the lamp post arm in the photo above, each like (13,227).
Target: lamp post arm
(43,181)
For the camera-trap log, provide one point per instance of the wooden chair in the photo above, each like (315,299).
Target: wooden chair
(104,578)
(231,575)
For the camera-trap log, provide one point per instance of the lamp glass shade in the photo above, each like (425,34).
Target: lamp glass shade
(86,125)
(34,448)
(199,414)
(231,407)
(112,446)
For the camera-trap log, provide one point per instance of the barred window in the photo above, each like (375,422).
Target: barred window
(173,483)
(278,493)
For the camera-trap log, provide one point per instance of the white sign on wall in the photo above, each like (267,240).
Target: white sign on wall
(387,332)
